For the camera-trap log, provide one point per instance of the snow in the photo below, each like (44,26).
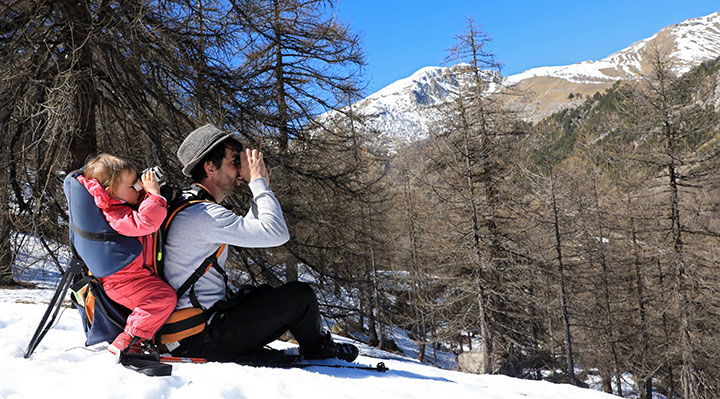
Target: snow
(584,72)
(422,75)
(696,40)
(695,37)
(62,367)
(426,87)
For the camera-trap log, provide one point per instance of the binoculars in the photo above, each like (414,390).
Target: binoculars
(159,174)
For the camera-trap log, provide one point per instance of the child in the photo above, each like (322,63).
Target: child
(111,181)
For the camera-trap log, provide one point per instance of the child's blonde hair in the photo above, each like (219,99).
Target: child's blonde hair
(107,169)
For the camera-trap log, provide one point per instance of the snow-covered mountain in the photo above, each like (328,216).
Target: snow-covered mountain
(688,43)
(404,109)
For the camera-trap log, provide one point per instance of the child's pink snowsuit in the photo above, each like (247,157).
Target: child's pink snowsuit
(136,286)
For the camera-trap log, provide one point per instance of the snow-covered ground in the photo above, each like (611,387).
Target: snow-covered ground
(62,367)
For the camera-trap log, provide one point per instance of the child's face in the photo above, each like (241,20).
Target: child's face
(124,189)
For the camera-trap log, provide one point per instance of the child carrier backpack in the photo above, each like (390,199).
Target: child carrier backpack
(101,251)
(105,252)
(98,251)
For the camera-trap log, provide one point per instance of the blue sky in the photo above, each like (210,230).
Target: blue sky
(401,36)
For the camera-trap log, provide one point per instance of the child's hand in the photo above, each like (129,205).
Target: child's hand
(150,183)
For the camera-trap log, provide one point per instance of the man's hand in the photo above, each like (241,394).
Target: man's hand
(255,166)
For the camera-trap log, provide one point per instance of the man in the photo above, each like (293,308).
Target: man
(238,328)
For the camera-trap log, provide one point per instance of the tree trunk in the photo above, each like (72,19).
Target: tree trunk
(282,109)
(6,256)
(376,301)
(668,340)
(606,380)
(84,138)
(688,376)
(199,77)
(415,300)
(291,271)
(646,393)
(485,333)
(370,290)
(563,292)
(610,326)
(6,277)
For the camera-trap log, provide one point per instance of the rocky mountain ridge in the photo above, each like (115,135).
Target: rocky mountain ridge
(406,109)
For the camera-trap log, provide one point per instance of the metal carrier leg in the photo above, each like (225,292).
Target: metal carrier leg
(74,269)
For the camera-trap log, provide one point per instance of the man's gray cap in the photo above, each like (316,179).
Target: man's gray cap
(197,144)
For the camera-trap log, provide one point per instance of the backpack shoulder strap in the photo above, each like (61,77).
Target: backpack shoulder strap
(187,197)
(209,262)
(190,196)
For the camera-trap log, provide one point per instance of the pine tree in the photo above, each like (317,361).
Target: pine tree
(303,63)
(668,117)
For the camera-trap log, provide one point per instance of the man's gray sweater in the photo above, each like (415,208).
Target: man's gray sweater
(199,230)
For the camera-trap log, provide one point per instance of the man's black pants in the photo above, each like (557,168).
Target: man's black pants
(249,324)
